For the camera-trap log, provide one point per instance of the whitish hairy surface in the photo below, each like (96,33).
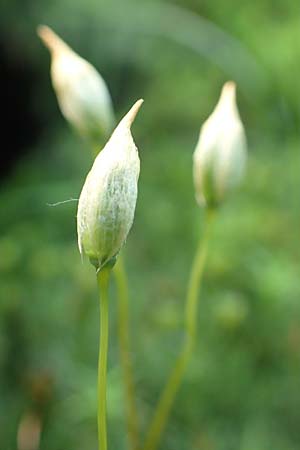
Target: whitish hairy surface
(81,92)
(220,155)
(108,198)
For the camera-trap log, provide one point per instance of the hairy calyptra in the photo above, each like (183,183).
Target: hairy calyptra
(81,92)
(108,198)
(221,152)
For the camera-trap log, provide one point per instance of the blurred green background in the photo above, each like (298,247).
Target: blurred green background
(242,387)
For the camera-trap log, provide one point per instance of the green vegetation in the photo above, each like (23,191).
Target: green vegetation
(241,390)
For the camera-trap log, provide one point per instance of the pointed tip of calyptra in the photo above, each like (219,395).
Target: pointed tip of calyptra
(229,92)
(51,40)
(227,101)
(128,119)
(229,86)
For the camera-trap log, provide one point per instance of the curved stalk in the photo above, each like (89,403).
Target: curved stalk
(168,395)
(103,282)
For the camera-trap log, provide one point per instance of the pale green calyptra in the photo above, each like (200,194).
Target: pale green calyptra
(81,92)
(108,197)
(221,152)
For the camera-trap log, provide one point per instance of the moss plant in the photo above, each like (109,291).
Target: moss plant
(107,204)
(123,319)
(105,214)
(219,162)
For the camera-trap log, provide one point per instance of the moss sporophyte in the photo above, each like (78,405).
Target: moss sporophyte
(219,163)
(105,215)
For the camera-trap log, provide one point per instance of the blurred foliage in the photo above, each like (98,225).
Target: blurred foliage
(242,389)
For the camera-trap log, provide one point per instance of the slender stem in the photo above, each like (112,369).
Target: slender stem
(195,279)
(168,395)
(103,282)
(124,345)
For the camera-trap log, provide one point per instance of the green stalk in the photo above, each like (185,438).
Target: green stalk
(103,282)
(124,345)
(168,395)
